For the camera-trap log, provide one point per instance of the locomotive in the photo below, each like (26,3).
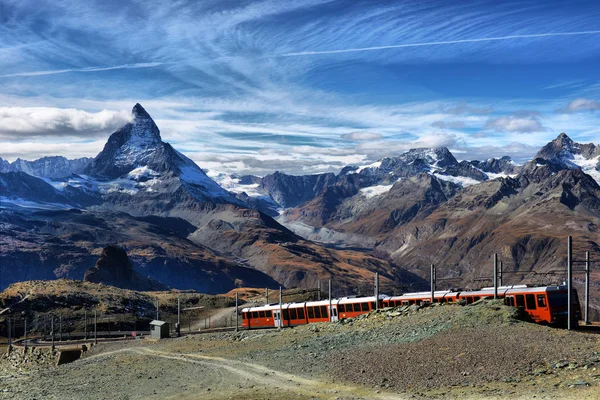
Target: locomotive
(544,304)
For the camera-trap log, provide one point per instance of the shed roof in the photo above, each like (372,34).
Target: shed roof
(158,323)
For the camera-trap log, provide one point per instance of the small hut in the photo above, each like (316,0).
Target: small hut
(159,329)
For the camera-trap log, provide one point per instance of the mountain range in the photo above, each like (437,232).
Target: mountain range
(178,226)
(187,228)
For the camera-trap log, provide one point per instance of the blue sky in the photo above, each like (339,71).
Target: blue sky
(299,86)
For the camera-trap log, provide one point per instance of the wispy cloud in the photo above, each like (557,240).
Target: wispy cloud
(210,75)
(86,69)
(520,123)
(440,43)
(580,105)
(356,136)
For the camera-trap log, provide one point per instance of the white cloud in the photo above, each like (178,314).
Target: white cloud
(87,69)
(454,124)
(443,42)
(579,105)
(356,136)
(18,123)
(514,123)
(34,150)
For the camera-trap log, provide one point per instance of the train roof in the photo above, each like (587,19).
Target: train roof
(418,295)
(504,290)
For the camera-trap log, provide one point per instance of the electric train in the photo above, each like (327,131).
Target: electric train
(544,304)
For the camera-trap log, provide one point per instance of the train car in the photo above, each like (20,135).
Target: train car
(351,307)
(319,311)
(545,304)
(267,316)
(293,314)
(472,296)
(440,296)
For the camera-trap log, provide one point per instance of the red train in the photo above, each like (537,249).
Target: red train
(545,304)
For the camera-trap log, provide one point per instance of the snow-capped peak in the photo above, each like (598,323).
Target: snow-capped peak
(144,130)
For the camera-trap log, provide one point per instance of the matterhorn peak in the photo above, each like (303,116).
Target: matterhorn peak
(144,129)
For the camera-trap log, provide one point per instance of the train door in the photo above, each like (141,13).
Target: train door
(334,313)
(277,318)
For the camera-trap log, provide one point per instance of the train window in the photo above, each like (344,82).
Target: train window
(311,312)
(293,313)
(520,300)
(317,312)
(324,312)
(476,298)
(364,306)
(261,314)
(254,314)
(509,301)
(404,302)
(243,315)
(530,299)
(356,307)
(301,313)
(469,300)
(286,314)
(541,300)
(269,314)
(557,299)
(341,308)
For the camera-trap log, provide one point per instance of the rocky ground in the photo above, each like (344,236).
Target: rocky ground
(478,351)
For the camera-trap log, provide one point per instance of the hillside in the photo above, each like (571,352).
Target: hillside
(483,350)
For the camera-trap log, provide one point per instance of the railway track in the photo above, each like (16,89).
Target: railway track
(103,337)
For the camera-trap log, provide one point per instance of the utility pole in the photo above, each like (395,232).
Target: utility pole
(330,311)
(95,326)
(267,296)
(569,278)
(495,275)
(157,304)
(9,335)
(25,332)
(432,277)
(60,327)
(319,289)
(178,316)
(281,305)
(377,290)
(52,329)
(500,273)
(587,287)
(237,316)
(85,324)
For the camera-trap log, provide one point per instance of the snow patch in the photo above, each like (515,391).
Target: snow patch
(376,164)
(459,180)
(19,202)
(373,191)
(194,175)
(588,166)
(492,175)
(142,172)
